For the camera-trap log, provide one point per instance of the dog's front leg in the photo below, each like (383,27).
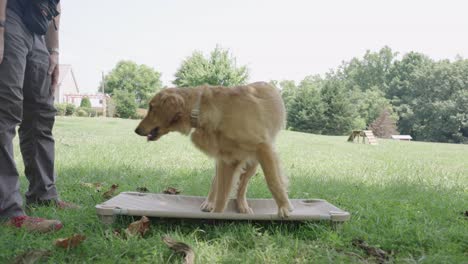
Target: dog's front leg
(208,204)
(224,181)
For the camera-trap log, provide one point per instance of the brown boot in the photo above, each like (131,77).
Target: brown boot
(34,224)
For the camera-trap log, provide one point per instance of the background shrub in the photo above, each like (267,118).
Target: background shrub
(61,109)
(82,112)
(70,109)
(85,102)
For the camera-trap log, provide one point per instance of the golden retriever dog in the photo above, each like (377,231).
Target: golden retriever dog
(236,126)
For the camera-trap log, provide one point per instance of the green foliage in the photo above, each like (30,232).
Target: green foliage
(61,109)
(430,98)
(370,72)
(218,69)
(85,102)
(86,112)
(304,105)
(125,104)
(369,104)
(319,106)
(427,98)
(140,80)
(70,109)
(81,112)
(340,116)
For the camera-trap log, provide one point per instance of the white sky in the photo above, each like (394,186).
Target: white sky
(278,40)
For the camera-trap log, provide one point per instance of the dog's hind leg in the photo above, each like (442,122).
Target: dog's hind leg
(226,174)
(241,200)
(270,165)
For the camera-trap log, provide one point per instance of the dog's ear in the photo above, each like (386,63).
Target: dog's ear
(174,104)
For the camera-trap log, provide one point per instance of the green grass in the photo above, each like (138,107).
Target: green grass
(404,197)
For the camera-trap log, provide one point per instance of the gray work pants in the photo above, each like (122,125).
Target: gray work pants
(25,100)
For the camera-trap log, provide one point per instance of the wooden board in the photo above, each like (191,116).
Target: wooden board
(180,206)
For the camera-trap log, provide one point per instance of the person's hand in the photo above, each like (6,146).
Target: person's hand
(2,43)
(53,70)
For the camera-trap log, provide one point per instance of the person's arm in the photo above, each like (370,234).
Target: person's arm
(52,42)
(2,27)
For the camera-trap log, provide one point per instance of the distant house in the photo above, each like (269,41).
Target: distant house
(67,83)
(402,137)
(98,100)
(67,91)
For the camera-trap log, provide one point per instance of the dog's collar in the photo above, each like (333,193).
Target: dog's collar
(195,113)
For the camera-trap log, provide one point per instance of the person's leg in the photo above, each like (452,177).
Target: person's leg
(11,102)
(18,43)
(36,141)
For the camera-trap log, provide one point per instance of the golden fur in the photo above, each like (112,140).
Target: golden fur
(236,126)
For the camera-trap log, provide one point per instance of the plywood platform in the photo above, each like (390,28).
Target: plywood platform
(188,207)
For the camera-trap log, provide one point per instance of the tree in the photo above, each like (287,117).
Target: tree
(218,69)
(340,116)
(369,104)
(429,97)
(125,104)
(305,109)
(85,103)
(384,126)
(288,92)
(140,80)
(370,72)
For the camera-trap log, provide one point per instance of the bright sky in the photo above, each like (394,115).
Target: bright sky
(279,40)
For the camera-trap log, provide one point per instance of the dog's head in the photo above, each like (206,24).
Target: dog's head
(164,115)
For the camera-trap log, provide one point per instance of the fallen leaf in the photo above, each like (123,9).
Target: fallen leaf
(381,255)
(117,232)
(70,242)
(171,190)
(96,185)
(180,247)
(138,227)
(31,257)
(142,189)
(110,192)
(112,234)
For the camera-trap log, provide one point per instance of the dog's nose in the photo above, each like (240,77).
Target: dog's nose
(138,131)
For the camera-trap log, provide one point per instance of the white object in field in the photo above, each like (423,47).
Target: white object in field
(402,137)
(180,206)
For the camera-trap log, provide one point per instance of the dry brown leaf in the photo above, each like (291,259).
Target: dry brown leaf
(171,190)
(31,257)
(180,247)
(112,234)
(70,242)
(95,185)
(381,255)
(138,227)
(110,192)
(142,189)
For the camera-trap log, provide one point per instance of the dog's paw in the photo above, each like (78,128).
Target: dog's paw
(290,206)
(207,206)
(283,211)
(244,208)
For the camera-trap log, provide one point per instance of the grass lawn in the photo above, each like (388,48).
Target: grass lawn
(405,197)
